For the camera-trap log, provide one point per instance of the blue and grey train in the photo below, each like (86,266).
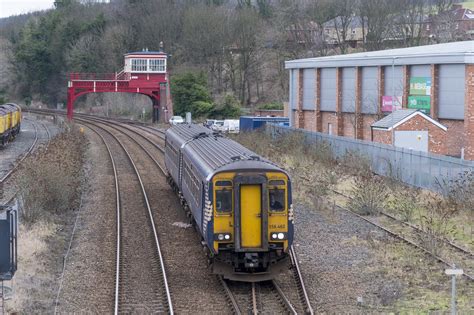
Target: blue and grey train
(240,203)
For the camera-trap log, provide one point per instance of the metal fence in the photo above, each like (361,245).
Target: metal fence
(416,168)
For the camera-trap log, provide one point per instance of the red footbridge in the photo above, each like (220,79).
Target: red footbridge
(144,73)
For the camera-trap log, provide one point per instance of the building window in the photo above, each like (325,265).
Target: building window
(157,65)
(139,65)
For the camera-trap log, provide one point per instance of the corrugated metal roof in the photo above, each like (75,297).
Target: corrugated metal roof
(457,52)
(393,118)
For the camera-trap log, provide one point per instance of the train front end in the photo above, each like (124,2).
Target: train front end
(252,223)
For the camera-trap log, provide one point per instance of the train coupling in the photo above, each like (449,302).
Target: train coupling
(251,260)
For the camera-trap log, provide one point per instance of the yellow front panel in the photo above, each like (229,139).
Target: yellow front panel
(15,123)
(223,222)
(278,221)
(2,124)
(9,120)
(251,215)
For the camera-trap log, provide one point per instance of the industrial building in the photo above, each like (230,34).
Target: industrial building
(346,95)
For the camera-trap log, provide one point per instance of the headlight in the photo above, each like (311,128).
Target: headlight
(278,236)
(222,237)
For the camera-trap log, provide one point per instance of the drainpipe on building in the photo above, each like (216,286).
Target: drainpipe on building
(393,100)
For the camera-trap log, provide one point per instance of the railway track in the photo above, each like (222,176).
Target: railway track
(268,297)
(411,234)
(141,282)
(23,157)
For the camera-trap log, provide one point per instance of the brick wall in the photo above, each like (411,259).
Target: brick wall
(348,129)
(455,136)
(367,122)
(328,118)
(469,114)
(383,136)
(309,117)
(436,135)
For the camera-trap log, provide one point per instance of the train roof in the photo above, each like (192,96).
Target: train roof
(8,108)
(217,153)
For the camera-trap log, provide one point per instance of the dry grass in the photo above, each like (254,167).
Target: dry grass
(315,172)
(309,166)
(51,181)
(50,184)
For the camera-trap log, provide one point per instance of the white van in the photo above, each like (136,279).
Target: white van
(231,126)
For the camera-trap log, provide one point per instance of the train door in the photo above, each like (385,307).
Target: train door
(251,216)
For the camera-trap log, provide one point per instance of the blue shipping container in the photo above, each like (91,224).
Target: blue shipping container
(250,123)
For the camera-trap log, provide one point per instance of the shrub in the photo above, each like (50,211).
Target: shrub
(229,108)
(460,191)
(50,180)
(271,106)
(404,204)
(190,94)
(369,196)
(435,221)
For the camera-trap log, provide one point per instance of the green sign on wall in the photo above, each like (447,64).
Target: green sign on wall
(420,86)
(420,102)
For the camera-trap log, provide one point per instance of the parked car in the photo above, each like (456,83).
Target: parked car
(209,123)
(176,120)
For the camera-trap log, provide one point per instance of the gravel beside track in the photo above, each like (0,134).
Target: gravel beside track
(194,289)
(89,276)
(335,268)
(141,280)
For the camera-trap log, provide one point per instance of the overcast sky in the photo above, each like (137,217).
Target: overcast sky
(15,7)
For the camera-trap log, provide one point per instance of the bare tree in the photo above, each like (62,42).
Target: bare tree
(206,40)
(377,18)
(345,10)
(410,20)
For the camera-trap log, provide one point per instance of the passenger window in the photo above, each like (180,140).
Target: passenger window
(224,200)
(277,200)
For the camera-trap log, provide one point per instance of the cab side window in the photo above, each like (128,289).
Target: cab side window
(277,199)
(224,200)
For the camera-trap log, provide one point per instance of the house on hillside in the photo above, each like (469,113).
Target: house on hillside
(455,24)
(352,26)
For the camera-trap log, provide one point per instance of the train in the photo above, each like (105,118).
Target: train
(10,122)
(239,202)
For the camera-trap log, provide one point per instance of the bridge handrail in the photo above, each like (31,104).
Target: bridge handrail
(96,76)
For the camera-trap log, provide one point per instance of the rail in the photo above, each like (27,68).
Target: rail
(406,240)
(155,234)
(17,164)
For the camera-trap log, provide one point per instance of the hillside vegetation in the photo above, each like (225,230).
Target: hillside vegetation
(238,45)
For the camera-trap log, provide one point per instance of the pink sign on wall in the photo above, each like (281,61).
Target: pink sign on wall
(388,105)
